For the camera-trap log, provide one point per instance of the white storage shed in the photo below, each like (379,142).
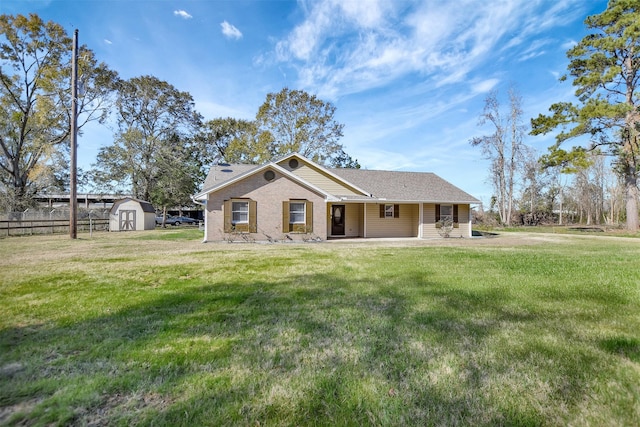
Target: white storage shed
(131,214)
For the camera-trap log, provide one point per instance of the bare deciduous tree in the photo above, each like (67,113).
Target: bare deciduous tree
(504,148)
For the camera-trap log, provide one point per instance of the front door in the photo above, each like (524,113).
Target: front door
(337,220)
(127,220)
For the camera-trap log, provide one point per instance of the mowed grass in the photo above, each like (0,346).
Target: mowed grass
(155,328)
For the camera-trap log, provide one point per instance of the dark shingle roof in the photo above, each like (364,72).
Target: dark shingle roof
(146,206)
(387,185)
(219,174)
(405,186)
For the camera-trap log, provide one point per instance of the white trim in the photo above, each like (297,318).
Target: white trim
(238,203)
(206,220)
(347,199)
(392,211)
(304,211)
(325,170)
(257,170)
(204,213)
(450,214)
(223,184)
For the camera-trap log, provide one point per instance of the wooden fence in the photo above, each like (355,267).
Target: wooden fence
(27,227)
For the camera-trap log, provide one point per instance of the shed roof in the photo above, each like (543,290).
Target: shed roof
(146,206)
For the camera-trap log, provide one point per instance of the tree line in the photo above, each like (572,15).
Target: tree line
(605,69)
(162,147)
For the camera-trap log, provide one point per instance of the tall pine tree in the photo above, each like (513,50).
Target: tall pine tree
(605,67)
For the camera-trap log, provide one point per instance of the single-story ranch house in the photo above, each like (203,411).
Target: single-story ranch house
(295,198)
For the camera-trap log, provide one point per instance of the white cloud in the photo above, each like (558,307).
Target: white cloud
(484,86)
(306,36)
(107,41)
(534,49)
(568,44)
(366,14)
(531,55)
(348,47)
(210,109)
(182,14)
(230,31)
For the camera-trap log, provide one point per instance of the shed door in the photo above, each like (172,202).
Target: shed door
(127,220)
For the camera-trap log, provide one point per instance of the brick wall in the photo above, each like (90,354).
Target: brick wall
(269,196)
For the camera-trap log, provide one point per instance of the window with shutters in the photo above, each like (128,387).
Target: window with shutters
(240,215)
(389,211)
(296,213)
(447,214)
(297,216)
(240,212)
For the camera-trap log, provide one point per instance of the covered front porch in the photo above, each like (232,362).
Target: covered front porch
(390,219)
(374,220)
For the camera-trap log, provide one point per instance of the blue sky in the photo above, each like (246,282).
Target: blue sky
(408,78)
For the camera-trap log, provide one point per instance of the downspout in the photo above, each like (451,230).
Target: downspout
(204,205)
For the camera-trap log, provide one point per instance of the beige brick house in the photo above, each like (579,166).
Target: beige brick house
(294,198)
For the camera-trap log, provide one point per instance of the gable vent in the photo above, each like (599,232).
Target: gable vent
(269,175)
(293,163)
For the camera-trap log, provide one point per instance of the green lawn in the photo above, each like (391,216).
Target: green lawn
(156,328)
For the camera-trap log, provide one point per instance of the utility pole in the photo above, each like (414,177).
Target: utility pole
(73,184)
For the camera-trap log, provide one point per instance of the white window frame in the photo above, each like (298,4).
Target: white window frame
(446,216)
(299,214)
(389,210)
(239,209)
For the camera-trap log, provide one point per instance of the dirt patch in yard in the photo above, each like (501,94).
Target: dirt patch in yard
(24,407)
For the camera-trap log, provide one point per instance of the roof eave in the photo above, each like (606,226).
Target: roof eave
(327,171)
(390,200)
(203,195)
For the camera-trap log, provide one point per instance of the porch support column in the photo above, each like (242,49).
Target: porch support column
(328,219)
(421,219)
(364,214)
